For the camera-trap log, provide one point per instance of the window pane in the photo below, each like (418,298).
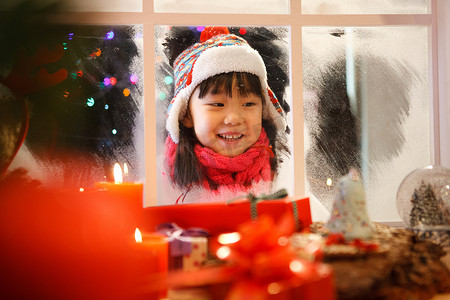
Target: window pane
(104,5)
(366,105)
(86,121)
(222,6)
(365,7)
(273,45)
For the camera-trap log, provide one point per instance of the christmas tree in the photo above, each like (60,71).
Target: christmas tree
(426,209)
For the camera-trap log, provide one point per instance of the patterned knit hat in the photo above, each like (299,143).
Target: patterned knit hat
(219,54)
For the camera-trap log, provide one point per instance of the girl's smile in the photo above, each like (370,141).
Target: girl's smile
(227,125)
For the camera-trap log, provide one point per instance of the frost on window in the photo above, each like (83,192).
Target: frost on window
(366,105)
(272,43)
(90,117)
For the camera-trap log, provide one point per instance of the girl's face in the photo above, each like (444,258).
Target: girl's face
(227,125)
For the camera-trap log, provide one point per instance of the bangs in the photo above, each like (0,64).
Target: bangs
(244,83)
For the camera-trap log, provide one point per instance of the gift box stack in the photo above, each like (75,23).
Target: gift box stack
(240,250)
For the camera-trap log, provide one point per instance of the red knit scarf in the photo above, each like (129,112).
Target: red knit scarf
(237,172)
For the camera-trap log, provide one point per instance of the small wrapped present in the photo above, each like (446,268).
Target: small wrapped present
(257,262)
(220,217)
(188,248)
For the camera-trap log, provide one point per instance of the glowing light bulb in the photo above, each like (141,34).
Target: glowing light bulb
(126,92)
(329,182)
(168,80)
(90,102)
(113,80)
(114,131)
(133,78)
(110,35)
(106,106)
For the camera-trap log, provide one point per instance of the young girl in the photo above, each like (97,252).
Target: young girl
(226,129)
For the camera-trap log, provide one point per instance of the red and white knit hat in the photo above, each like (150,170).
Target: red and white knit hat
(223,53)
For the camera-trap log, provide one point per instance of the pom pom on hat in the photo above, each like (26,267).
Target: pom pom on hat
(218,53)
(211,31)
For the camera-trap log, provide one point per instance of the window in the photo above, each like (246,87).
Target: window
(387,56)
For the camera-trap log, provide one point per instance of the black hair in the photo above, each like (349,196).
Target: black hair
(186,170)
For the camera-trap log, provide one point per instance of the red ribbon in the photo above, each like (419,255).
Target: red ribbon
(260,259)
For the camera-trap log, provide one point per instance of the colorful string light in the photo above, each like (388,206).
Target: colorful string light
(110,35)
(133,78)
(90,102)
(168,80)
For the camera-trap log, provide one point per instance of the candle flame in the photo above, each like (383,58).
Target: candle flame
(137,236)
(329,182)
(117,173)
(125,169)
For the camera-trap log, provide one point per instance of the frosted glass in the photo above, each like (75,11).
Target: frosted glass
(365,6)
(93,118)
(267,40)
(222,6)
(366,105)
(104,5)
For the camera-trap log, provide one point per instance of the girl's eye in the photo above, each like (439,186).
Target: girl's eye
(248,104)
(217,104)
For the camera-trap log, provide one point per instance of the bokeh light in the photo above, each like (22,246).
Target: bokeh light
(133,78)
(90,102)
(110,35)
(168,80)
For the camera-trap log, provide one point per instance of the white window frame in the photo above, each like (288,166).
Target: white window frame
(439,86)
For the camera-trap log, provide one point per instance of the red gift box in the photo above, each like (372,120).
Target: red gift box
(255,265)
(223,217)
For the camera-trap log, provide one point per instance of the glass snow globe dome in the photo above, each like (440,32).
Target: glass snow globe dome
(423,199)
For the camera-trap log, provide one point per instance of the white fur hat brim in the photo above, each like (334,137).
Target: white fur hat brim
(219,60)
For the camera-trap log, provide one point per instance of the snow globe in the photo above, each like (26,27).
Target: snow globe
(423,198)
(423,202)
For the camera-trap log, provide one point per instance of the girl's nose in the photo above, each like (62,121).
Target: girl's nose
(233,116)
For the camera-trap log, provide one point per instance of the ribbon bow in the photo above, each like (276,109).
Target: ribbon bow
(254,200)
(254,263)
(179,238)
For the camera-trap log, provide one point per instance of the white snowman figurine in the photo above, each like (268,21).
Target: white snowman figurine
(349,215)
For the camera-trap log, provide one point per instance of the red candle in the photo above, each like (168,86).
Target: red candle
(153,252)
(120,187)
